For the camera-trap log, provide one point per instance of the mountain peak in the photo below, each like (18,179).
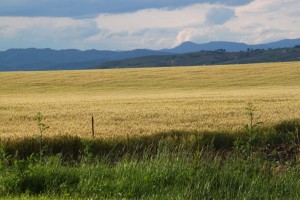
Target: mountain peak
(188,46)
(187,43)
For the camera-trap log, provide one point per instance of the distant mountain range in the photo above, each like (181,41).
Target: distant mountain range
(49,59)
(208,58)
(188,47)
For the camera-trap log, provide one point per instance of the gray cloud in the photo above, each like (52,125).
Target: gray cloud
(219,16)
(89,8)
(121,34)
(46,32)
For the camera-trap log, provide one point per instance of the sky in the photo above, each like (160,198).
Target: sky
(136,24)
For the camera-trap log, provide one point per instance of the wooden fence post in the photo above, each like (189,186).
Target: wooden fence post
(93,126)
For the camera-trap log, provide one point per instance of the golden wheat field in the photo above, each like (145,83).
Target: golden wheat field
(129,102)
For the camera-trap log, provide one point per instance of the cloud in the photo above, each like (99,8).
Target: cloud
(55,27)
(150,39)
(260,21)
(153,18)
(90,8)
(256,22)
(150,28)
(206,34)
(159,26)
(219,15)
(268,20)
(17,32)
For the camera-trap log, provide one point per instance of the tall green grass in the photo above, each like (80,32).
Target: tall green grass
(261,164)
(166,176)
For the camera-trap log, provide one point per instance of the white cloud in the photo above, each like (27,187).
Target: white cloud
(258,22)
(266,20)
(147,19)
(159,27)
(187,34)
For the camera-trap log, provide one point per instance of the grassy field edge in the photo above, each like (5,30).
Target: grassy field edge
(285,133)
(260,163)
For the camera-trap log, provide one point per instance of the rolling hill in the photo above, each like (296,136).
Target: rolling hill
(208,58)
(48,59)
(188,47)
